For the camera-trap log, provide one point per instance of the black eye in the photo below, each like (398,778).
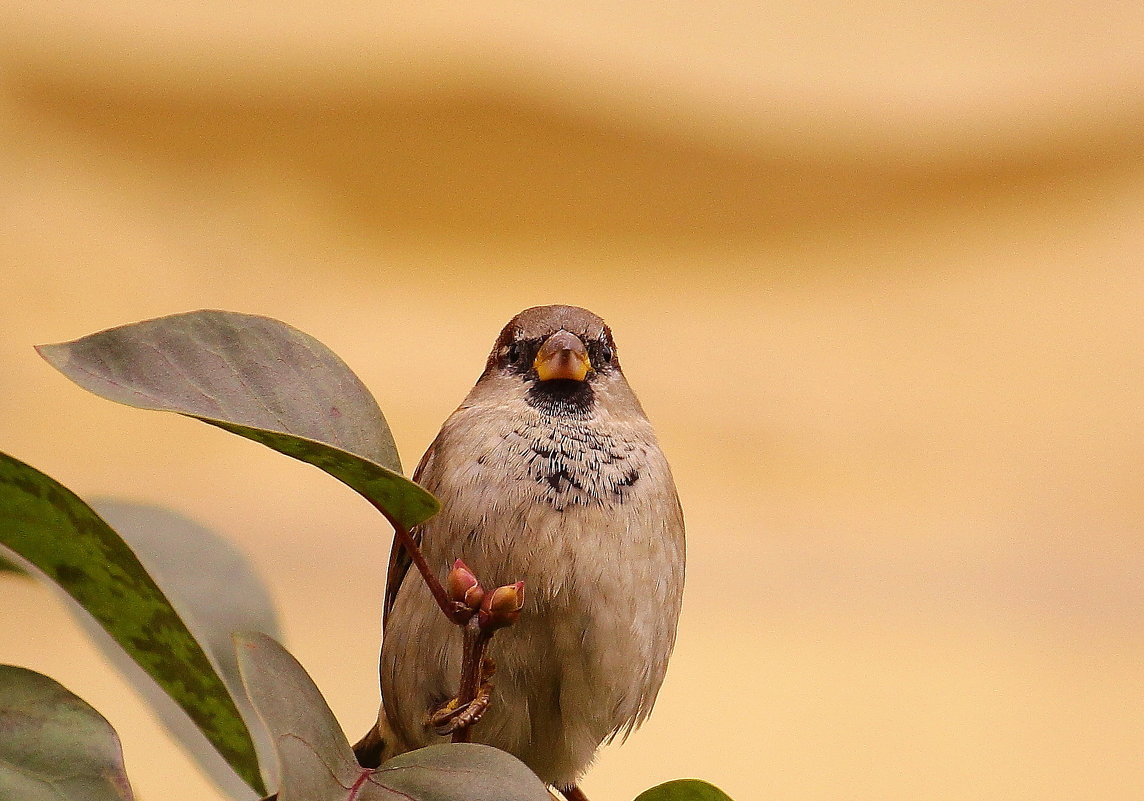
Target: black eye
(514,353)
(606,354)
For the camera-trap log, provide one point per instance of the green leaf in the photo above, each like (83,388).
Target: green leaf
(8,566)
(317,764)
(48,525)
(220,596)
(684,790)
(258,378)
(55,747)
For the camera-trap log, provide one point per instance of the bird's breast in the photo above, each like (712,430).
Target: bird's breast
(573,464)
(542,497)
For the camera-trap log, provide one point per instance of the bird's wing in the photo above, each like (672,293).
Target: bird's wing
(399,559)
(673,529)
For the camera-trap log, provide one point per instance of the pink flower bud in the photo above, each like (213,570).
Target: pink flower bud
(502,606)
(463,587)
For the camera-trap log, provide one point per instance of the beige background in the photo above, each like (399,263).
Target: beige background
(876,271)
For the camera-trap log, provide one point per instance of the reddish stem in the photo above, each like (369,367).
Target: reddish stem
(473,655)
(448,607)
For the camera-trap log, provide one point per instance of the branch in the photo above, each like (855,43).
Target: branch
(450,609)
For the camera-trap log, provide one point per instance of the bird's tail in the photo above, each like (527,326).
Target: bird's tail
(379,744)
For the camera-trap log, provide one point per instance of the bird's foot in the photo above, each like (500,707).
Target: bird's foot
(454,715)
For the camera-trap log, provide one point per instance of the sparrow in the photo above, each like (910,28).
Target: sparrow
(548,473)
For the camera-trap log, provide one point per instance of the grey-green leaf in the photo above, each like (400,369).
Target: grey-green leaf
(256,377)
(684,790)
(456,772)
(317,764)
(237,368)
(52,528)
(315,761)
(55,747)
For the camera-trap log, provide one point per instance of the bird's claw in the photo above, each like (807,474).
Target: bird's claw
(455,716)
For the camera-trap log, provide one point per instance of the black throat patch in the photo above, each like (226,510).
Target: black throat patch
(561,398)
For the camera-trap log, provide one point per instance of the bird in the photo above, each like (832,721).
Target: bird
(549,473)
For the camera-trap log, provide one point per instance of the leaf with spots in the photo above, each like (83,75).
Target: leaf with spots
(59,534)
(55,747)
(258,378)
(684,790)
(317,764)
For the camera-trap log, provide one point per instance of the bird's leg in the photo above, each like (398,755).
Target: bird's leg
(574,793)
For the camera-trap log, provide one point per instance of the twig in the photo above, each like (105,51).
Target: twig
(448,607)
(475,643)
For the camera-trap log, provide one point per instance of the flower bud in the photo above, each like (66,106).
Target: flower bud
(502,606)
(463,587)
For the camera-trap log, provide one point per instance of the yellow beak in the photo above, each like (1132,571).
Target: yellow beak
(562,356)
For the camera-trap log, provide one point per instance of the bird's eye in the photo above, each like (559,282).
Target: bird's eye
(606,354)
(513,353)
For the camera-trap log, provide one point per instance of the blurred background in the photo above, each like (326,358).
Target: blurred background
(875,271)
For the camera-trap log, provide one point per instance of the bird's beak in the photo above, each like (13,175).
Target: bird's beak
(562,356)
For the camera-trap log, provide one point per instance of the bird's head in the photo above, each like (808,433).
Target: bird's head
(562,355)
